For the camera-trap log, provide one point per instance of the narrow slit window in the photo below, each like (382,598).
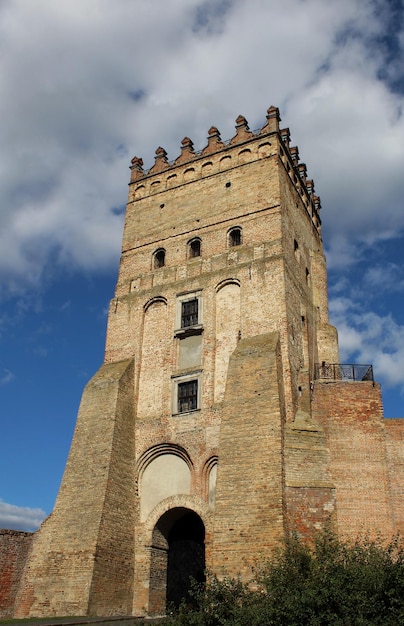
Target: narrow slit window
(189,313)
(187,396)
(296,249)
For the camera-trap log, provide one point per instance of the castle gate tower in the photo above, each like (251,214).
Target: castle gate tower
(196,444)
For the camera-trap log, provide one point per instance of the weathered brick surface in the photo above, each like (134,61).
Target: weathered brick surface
(249,515)
(263,453)
(14,549)
(352,417)
(84,549)
(394,431)
(309,486)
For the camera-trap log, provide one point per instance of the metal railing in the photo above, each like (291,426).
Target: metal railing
(343,372)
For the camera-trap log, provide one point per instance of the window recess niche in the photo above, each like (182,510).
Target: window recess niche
(189,315)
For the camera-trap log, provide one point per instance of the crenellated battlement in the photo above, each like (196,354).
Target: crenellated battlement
(221,155)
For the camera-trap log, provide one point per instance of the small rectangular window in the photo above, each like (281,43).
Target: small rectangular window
(189,313)
(187,396)
(186,393)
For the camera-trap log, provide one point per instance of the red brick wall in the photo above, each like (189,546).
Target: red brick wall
(351,414)
(395,454)
(309,509)
(14,548)
(309,488)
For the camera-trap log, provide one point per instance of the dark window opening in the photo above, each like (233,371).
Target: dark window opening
(297,251)
(235,237)
(194,248)
(189,313)
(159,258)
(187,396)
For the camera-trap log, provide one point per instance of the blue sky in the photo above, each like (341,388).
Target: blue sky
(88,84)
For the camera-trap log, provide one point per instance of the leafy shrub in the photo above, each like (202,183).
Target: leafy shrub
(333,582)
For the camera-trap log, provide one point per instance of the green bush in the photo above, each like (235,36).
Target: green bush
(330,583)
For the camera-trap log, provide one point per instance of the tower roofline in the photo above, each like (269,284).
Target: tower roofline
(244,136)
(215,145)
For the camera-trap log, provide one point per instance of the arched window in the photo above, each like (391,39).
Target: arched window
(159,258)
(234,237)
(194,248)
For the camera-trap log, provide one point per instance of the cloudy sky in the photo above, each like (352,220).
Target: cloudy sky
(86,85)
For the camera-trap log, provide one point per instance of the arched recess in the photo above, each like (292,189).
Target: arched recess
(189,173)
(164,470)
(171,180)
(228,328)
(155,346)
(207,168)
(225,162)
(209,473)
(264,149)
(177,556)
(140,192)
(154,300)
(244,155)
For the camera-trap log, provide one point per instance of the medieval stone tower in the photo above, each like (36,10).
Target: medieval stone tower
(211,430)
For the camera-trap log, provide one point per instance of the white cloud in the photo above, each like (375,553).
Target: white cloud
(19,517)
(367,337)
(384,277)
(85,87)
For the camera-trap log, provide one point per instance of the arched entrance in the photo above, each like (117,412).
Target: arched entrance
(177,557)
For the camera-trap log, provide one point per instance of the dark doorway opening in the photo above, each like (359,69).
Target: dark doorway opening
(178,557)
(186,557)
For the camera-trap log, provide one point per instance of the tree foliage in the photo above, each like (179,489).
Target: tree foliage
(332,582)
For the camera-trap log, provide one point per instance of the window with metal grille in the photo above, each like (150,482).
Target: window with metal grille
(187,396)
(189,313)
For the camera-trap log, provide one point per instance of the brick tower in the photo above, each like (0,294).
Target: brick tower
(209,431)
